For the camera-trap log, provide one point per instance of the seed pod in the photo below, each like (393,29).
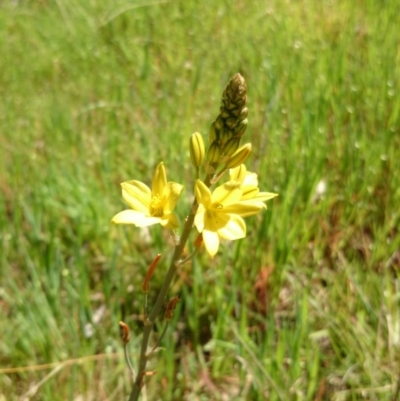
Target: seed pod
(197,151)
(214,152)
(239,157)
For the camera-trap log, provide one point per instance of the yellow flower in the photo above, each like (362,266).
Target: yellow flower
(249,184)
(153,206)
(220,214)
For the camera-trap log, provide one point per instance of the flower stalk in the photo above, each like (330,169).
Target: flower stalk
(217,215)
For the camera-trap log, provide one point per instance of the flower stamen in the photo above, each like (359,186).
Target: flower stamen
(156,207)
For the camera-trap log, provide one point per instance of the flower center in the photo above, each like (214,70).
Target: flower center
(156,208)
(217,206)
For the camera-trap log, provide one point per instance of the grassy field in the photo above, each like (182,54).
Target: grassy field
(94,93)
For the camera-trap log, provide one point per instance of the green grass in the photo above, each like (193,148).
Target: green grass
(97,92)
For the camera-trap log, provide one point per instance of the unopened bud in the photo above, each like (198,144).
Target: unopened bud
(231,146)
(219,123)
(197,151)
(213,134)
(224,113)
(241,127)
(239,157)
(243,114)
(224,135)
(231,122)
(214,152)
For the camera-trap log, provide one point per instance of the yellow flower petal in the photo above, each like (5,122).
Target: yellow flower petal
(234,229)
(199,218)
(202,193)
(264,196)
(220,213)
(211,242)
(172,192)
(169,221)
(136,218)
(225,194)
(250,179)
(242,208)
(238,173)
(159,180)
(214,221)
(150,206)
(137,195)
(249,192)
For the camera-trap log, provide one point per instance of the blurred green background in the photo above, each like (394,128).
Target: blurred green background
(94,93)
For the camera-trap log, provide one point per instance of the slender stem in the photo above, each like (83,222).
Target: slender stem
(128,360)
(149,321)
(191,256)
(145,307)
(159,340)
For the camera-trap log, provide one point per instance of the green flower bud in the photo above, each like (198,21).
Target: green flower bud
(214,152)
(231,146)
(213,133)
(223,112)
(197,151)
(239,157)
(218,123)
(231,122)
(241,128)
(224,136)
(244,113)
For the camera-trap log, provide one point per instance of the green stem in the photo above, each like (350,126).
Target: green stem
(149,321)
(128,360)
(159,340)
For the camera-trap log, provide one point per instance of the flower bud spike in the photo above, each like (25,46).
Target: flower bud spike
(232,112)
